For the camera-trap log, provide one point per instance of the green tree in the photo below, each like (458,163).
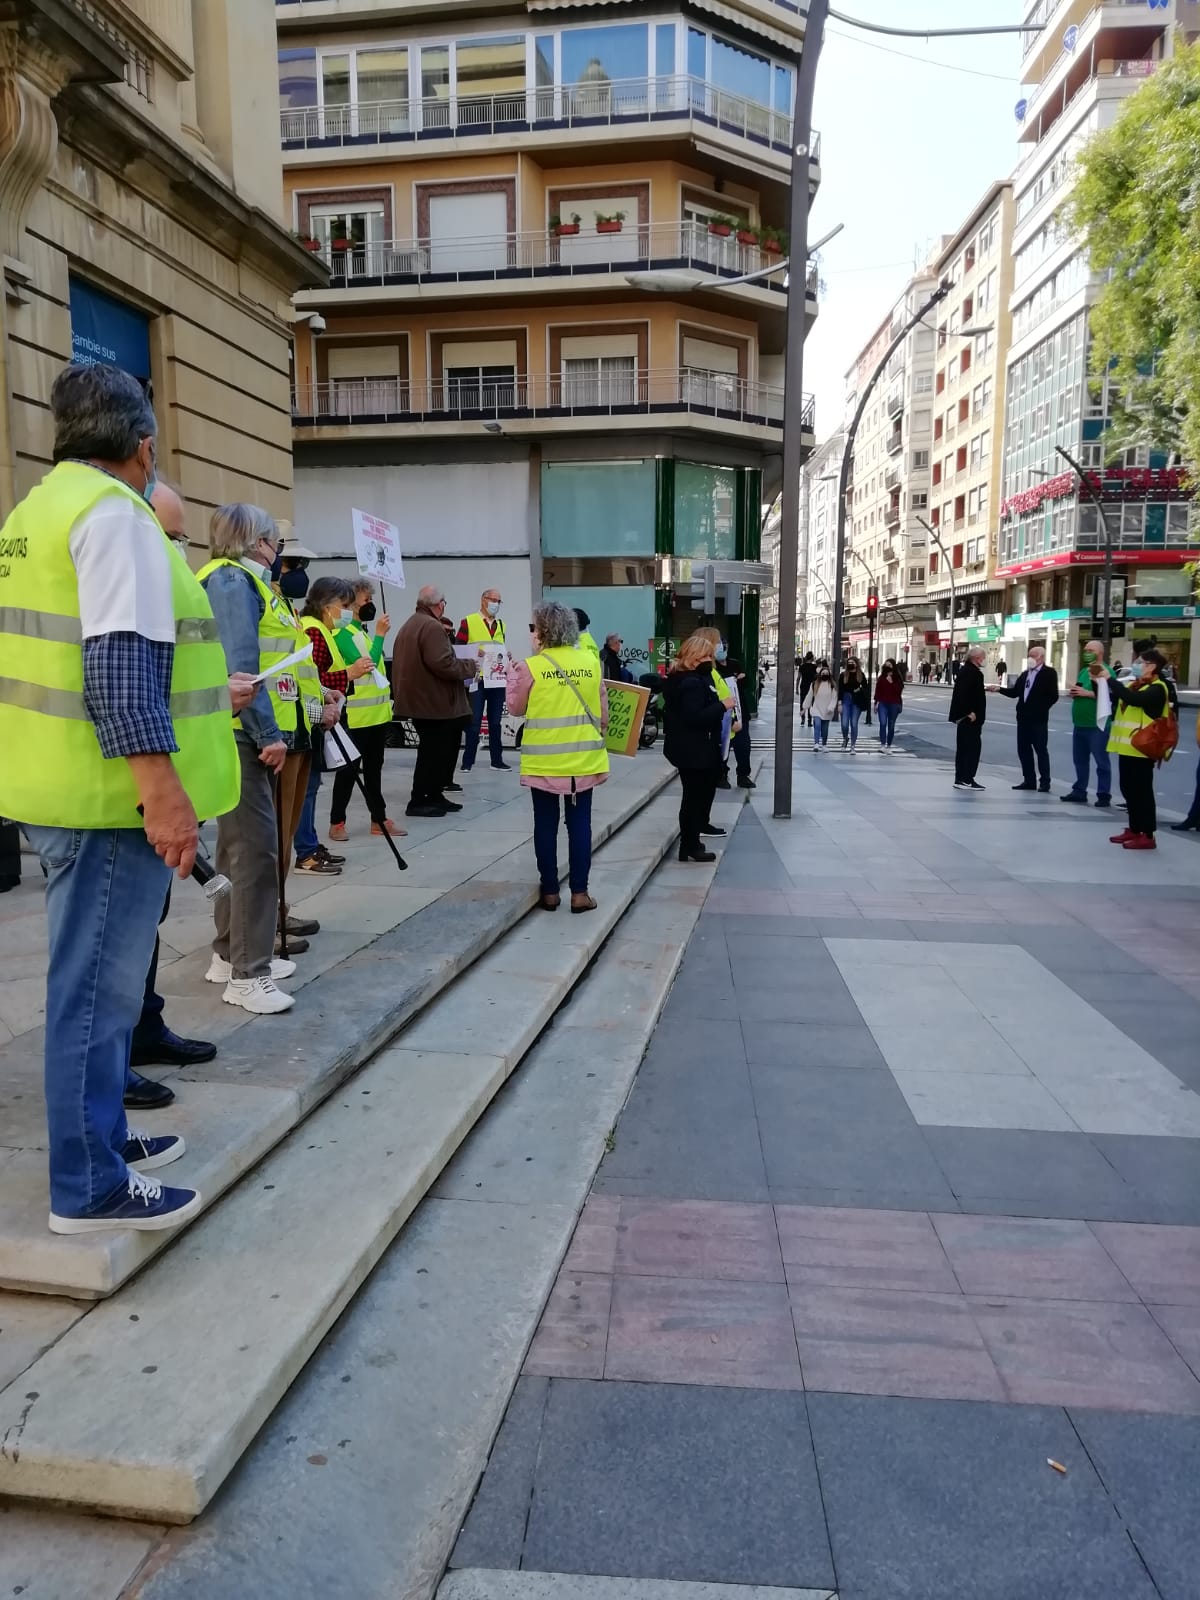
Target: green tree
(1137,205)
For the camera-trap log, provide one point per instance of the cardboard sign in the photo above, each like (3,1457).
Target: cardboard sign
(377,545)
(627,704)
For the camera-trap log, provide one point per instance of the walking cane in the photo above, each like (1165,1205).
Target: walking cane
(391,843)
(283,944)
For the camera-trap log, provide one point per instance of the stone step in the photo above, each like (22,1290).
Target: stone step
(145,1404)
(271,1072)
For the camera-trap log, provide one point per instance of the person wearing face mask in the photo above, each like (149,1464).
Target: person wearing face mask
(368,716)
(327,610)
(693,714)
(429,688)
(257,630)
(293,579)
(1036,692)
(1090,719)
(123,743)
(484,627)
(725,692)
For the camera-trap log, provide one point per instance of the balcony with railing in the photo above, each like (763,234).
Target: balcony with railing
(545,256)
(590,108)
(529,404)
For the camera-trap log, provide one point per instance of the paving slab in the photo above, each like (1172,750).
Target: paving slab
(481,1584)
(47,1555)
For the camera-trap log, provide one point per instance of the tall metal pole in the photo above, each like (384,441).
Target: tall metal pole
(839,577)
(1085,483)
(936,537)
(793,401)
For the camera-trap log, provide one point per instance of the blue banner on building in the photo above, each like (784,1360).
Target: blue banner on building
(106,329)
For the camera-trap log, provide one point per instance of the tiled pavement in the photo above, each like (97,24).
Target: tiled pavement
(904,1205)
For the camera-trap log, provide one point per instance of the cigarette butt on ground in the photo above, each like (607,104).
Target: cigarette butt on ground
(1057,1465)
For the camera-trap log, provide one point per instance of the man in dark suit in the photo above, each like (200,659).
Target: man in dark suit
(1035,691)
(968,711)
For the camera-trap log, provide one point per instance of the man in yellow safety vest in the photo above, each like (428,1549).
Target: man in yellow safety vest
(483,628)
(115,719)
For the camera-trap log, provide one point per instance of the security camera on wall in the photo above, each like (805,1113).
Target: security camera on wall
(316,323)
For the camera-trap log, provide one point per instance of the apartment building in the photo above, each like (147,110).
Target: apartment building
(528,355)
(141,222)
(818,546)
(886,547)
(973,334)
(1080,69)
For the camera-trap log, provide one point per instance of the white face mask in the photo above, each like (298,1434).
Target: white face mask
(492,607)
(345,618)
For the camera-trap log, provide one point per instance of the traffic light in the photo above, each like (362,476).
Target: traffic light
(872,601)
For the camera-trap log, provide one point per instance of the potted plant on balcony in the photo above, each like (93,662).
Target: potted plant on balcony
(561,229)
(610,221)
(309,241)
(339,242)
(746,234)
(721,226)
(771,241)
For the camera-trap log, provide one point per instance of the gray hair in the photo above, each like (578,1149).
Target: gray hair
(430,595)
(324,592)
(235,530)
(100,414)
(976,653)
(555,625)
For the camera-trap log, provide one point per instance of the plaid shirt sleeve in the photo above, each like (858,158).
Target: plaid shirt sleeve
(126,692)
(323,662)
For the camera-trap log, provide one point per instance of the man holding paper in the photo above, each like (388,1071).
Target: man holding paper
(484,628)
(1091,713)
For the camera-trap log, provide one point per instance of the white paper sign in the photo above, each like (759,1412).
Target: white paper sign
(377,545)
(293,660)
(493,662)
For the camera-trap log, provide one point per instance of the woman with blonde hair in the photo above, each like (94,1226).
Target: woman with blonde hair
(693,715)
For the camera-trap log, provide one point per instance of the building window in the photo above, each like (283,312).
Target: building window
(480,388)
(599,380)
(595,56)
(922,383)
(919,500)
(920,460)
(916,574)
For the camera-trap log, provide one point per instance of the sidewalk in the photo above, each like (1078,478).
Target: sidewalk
(904,1206)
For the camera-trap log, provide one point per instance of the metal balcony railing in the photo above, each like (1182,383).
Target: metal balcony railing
(618,103)
(361,400)
(545,254)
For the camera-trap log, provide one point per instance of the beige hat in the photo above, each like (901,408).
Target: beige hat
(291,549)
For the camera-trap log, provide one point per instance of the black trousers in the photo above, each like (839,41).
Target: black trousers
(698,788)
(1137,790)
(10,855)
(1033,739)
(968,747)
(437,751)
(372,745)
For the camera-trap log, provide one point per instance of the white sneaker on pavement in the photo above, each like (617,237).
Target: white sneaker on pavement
(222,972)
(258,995)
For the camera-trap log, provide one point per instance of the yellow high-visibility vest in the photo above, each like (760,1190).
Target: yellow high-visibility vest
(368,706)
(337,661)
(477,630)
(53,774)
(279,636)
(562,738)
(1127,720)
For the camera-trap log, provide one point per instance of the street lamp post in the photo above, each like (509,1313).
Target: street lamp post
(872,620)
(1085,483)
(935,299)
(937,539)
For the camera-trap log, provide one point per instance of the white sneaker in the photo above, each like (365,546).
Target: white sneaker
(222,972)
(257,994)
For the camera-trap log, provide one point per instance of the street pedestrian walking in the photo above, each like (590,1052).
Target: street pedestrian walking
(968,712)
(854,696)
(1141,704)
(1192,820)
(429,687)
(693,716)
(806,672)
(821,704)
(1091,716)
(1036,692)
(889,703)
(368,716)
(132,743)
(560,692)
(1002,671)
(484,627)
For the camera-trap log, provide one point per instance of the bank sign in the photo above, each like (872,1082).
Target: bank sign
(105,329)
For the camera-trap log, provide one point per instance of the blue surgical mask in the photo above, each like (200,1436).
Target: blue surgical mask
(345,618)
(722,651)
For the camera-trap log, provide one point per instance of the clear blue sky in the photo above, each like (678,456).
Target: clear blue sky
(908,147)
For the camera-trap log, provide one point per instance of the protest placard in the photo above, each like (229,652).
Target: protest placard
(377,546)
(627,704)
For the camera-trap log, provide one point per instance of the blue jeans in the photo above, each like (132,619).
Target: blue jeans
(886,715)
(491,700)
(820,730)
(578,809)
(306,834)
(850,716)
(1091,744)
(104,896)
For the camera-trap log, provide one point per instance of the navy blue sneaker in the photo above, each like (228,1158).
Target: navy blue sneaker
(141,1204)
(143,1152)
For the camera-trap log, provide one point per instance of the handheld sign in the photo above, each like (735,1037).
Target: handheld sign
(627,704)
(377,546)
(493,659)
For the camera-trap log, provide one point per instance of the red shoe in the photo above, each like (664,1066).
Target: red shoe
(390,827)
(337,832)
(1120,838)
(1141,841)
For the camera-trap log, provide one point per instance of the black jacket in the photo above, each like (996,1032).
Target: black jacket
(969,694)
(1042,696)
(692,716)
(858,689)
